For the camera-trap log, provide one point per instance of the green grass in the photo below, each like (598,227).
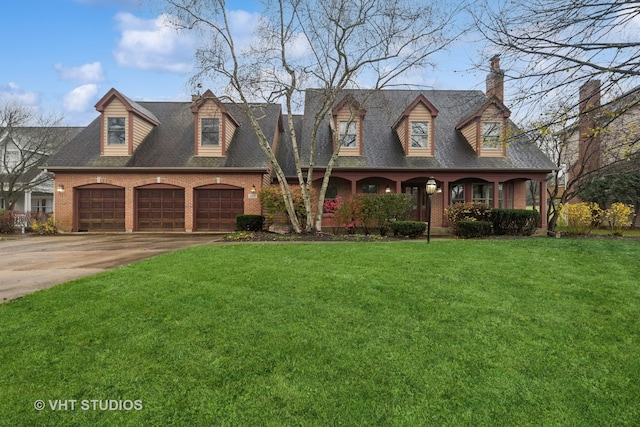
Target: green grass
(493,332)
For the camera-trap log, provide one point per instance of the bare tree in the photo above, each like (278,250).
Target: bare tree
(330,45)
(27,138)
(555,46)
(602,138)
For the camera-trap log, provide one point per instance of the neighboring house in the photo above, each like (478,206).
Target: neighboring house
(193,166)
(397,139)
(22,151)
(606,136)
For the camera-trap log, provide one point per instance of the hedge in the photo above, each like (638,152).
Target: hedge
(411,229)
(471,229)
(514,222)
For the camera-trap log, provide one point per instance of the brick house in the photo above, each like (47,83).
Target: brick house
(395,140)
(193,166)
(162,166)
(605,136)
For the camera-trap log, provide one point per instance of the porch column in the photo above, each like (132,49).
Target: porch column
(354,187)
(27,201)
(398,187)
(496,194)
(445,201)
(543,203)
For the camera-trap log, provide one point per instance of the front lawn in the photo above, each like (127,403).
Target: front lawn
(534,331)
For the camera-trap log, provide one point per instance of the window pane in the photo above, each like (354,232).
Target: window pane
(482,193)
(491,132)
(457,193)
(210,129)
(115,130)
(370,189)
(348,136)
(419,134)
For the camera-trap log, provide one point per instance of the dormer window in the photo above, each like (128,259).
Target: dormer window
(124,124)
(116,134)
(415,128)
(348,134)
(210,131)
(214,126)
(348,123)
(419,134)
(491,134)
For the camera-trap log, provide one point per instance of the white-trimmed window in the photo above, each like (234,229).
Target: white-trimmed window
(419,134)
(116,134)
(348,134)
(482,193)
(40,205)
(210,131)
(491,134)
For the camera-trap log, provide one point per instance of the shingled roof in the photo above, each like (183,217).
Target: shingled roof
(171,143)
(382,148)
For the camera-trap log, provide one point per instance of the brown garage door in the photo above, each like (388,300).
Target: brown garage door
(216,209)
(100,209)
(160,209)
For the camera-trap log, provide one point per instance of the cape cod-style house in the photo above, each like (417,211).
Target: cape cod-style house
(193,166)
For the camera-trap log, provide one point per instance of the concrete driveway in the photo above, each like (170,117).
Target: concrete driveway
(29,263)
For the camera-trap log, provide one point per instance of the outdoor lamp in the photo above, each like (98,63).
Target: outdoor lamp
(253,189)
(60,188)
(432,187)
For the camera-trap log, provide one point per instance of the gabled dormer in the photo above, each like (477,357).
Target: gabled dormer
(348,120)
(214,125)
(416,128)
(124,124)
(486,129)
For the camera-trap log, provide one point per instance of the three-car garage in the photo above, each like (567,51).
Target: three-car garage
(158,208)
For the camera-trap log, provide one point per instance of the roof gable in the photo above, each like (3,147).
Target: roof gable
(131,106)
(494,101)
(421,99)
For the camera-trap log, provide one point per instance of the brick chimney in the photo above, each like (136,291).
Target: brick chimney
(589,109)
(495,79)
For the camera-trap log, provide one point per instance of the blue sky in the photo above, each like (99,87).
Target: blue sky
(62,56)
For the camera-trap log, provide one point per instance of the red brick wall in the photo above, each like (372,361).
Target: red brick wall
(64,202)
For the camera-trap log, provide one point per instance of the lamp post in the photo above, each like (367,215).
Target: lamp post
(431,189)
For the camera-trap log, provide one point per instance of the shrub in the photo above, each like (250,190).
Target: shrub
(514,222)
(410,229)
(471,228)
(249,222)
(272,201)
(389,208)
(372,210)
(618,216)
(44,226)
(472,211)
(581,217)
(330,206)
(6,222)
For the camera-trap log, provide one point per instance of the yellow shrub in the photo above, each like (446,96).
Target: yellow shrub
(618,216)
(581,217)
(44,227)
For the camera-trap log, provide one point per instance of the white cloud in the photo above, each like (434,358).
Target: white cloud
(81,98)
(153,44)
(13,94)
(87,73)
